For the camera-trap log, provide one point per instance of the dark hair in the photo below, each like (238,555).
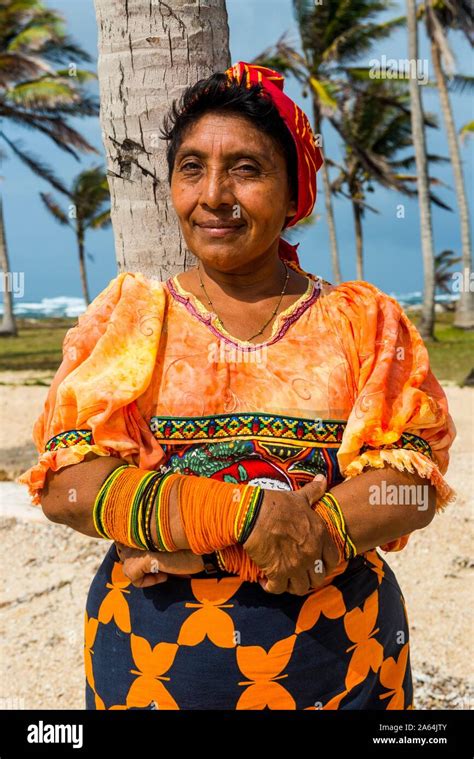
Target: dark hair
(218,94)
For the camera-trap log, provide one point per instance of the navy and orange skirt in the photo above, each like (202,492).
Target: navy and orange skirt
(216,642)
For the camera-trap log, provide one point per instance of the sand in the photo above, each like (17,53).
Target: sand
(47,570)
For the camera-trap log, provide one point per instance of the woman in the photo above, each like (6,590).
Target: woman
(244,374)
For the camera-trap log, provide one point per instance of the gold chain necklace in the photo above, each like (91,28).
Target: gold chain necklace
(275,311)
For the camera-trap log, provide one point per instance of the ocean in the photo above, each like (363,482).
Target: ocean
(67,306)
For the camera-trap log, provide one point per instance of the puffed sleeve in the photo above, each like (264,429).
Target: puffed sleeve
(400,412)
(108,361)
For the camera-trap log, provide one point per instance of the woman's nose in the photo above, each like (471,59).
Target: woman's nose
(216,189)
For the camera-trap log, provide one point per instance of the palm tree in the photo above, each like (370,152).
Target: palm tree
(440,16)
(426,326)
(374,122)
(443,276)
(89,209)
(8,327)
(37,93)
(148,53)
(333,34)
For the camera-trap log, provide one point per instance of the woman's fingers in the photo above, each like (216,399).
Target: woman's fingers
(145,568)
(126,552)
(133,569)
(136,568)
(149,580)
(300,584)
(314,490)
(182,562)
(275,585)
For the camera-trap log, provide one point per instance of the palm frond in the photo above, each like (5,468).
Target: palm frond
(31,38)
(80,76)
(438,202)
(66,51)
(100,221)
(446,259)
(33,94)
(90,193)
(54,208)
(86,106)
(443,276)
(55,129)
(35,164)
(466,130)
(460,83)
(46,92)
(322,91)
(14,67)
(358,39)
(452,15)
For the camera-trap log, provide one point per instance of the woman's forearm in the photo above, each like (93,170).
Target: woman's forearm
(378,506)
(381,505)
(69,494)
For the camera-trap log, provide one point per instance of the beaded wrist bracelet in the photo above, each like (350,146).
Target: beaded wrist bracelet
(252,513)
(123,505)
(162,513)
(213,513)
(330,512)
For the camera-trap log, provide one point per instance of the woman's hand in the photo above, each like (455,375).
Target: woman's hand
(147,568)
(290,542)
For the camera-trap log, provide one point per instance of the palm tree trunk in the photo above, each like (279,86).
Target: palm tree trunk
(465,306)
(8,326)
(426,327)
(82,263)
(148,54)
(336,269)
(359,240)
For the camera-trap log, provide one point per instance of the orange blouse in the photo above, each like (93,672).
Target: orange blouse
(146,349)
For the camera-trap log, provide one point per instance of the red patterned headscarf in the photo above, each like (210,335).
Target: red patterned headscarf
(309,155)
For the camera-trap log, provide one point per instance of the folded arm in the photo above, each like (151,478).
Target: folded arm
(378,506)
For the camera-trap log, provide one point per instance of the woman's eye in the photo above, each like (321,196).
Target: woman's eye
(190,165)
(193,166)
(247,167)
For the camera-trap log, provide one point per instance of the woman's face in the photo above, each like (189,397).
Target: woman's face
(229,188)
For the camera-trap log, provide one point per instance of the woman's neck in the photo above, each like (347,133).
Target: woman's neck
(245,307)
(252,282)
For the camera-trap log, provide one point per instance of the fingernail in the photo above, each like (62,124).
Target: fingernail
(319,478)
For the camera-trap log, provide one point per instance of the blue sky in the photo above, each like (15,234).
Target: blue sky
(46,252)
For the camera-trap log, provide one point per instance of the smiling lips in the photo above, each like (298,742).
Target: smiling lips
(217,228)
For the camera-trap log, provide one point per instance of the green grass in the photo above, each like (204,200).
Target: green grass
(39,346)
(452,353)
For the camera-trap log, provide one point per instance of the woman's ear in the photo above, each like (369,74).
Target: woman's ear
(292,208)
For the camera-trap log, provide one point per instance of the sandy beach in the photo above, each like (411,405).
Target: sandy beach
(47,570)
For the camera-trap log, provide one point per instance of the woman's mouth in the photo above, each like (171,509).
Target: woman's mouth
(220,230)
